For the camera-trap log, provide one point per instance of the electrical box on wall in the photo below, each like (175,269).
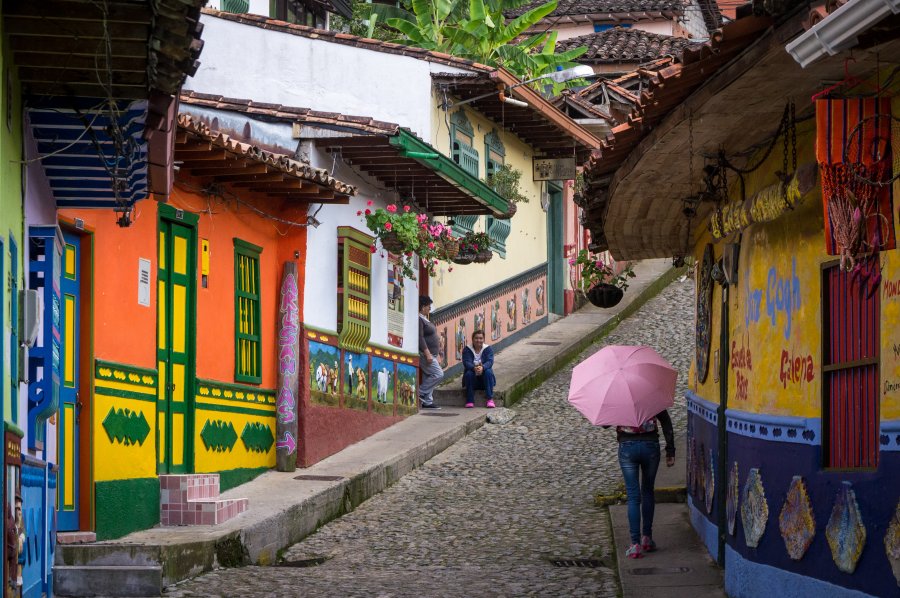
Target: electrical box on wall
(30,314)
(204,263)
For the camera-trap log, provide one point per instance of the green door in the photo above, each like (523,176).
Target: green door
(556,267)
(175,340)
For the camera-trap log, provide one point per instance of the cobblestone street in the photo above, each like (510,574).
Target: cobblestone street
(485,517)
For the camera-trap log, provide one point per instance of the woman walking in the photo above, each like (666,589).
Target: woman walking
(429,355)
(639,455)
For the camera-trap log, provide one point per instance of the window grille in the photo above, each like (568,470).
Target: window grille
(247,342)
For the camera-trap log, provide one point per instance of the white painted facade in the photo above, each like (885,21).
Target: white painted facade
(270,66)
(320,308)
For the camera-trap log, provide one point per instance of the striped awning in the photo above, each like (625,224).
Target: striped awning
(87,165)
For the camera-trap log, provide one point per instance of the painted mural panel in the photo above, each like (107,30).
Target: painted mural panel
(324,370)
(406,389)
(383,386)
(355,376)
(396,299)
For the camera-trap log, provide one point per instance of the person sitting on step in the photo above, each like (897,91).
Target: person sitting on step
(478,363)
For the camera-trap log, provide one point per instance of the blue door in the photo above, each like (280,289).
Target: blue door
(67,500)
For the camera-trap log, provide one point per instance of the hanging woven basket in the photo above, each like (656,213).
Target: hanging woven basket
(463,258)
(605,295)
(483,257)
(510,212)
(392,243)
(451,247)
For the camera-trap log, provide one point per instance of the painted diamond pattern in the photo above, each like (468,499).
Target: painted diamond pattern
(731,501)
(754,509)
(257,437)
(710,482)
(126,426)
(845,530)
(218,435)
(892,543)
(797,521)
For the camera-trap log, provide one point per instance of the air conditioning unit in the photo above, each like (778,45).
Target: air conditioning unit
(30,316)
(730,258)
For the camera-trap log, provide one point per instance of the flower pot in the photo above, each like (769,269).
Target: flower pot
(483,257)
(605,295)
(510,212)
(451,248)
(392,243)
(463,258)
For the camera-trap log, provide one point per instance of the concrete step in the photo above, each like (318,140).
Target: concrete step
(107,580)
(107,555)
(202,512)
(453,396)
(75,537)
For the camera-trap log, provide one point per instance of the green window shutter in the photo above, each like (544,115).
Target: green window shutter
(498,231)
(464,224)
(237,6)
(354,289)
(494,153)
(462,142)
(247,333)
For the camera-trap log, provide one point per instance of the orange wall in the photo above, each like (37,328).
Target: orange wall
(124,331)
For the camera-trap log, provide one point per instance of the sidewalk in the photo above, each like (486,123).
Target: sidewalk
(286,507)
(681,567)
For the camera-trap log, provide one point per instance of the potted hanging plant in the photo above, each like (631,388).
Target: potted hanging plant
(474,247)
(598,281)
(578,189)
(397,230)
(505,181)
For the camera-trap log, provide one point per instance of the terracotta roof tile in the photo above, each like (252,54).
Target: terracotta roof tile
(348,40)
(624,45)
(280,162)
(591,7)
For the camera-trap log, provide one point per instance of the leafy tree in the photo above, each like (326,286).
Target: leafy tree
(480,31)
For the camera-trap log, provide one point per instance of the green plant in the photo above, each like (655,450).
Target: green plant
(505,181)
(481,32)
(595,271)
(474,242)
(401,227)
(580,185)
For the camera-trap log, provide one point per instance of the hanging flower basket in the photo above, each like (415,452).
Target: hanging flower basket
(605,295)
(510,212)
(483,257)
(450,247)
(392,243)
(463,258)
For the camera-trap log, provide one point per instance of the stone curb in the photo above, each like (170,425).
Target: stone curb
(670,494)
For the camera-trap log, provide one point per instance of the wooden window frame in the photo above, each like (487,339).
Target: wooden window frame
(460,125)
(253,252)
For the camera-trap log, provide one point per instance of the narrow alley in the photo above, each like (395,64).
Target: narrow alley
(487,516)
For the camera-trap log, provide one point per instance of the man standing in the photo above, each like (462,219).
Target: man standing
(429,355)
(478,362)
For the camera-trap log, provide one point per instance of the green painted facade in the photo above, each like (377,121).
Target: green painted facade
(125,506)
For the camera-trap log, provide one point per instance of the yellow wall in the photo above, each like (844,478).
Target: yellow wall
(526,245)
(776,310)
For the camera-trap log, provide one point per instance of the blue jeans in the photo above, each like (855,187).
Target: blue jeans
(639,460)
(473,382)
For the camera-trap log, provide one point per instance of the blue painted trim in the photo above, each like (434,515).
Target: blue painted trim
(779,428)
(890,435)
(709,533)
(702,407)
(505,342)
(746,579)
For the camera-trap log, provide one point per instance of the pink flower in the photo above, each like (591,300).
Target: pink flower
(421,218)
(391,208)
(571,261)
(388,226)
(368,203)
(430,245)
(368,212)
(475,247)
(359,212)
(598,264)
(406,208)
(372,249)
(450,269)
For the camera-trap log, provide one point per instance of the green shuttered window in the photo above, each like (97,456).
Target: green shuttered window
(247,335)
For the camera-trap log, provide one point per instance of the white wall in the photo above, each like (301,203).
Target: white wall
(320,284)
(243,61)
(692,22)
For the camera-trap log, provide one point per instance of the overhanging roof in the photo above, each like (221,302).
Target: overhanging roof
(540,124)
(737,108)
(391,154)
(215,158)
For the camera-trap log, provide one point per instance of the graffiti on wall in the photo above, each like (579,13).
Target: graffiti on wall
(742,365)
(288,374)
(781,295)
(796,369)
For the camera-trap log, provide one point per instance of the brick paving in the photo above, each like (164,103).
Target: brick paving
(485,517)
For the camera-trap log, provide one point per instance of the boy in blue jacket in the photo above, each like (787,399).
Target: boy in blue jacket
(478,361)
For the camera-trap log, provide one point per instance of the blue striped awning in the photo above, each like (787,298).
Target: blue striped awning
(82,164)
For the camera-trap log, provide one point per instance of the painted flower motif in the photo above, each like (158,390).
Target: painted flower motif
(406,208)
(388,226)
(391,208)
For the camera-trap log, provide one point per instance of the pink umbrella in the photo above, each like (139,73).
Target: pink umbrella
(622,386)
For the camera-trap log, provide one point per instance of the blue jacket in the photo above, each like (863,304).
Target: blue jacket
(487,358)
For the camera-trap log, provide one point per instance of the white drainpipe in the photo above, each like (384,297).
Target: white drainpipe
(839,30)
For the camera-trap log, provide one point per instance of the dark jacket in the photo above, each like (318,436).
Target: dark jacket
(487,358)
(428,337)
(666,422)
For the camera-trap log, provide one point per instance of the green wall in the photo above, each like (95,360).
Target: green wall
(125,506)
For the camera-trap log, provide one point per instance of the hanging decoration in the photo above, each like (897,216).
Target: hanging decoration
(853,147)
(704,314)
